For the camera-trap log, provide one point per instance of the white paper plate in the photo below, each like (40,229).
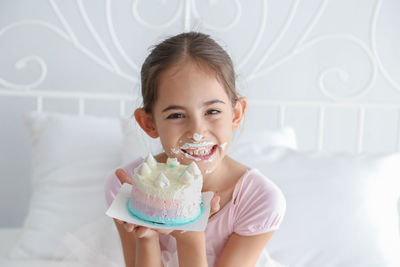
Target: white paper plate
(119,211)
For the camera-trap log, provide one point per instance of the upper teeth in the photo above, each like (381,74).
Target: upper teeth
(197,145)
(200,152)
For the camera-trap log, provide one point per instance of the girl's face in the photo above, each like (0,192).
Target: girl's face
(193,116)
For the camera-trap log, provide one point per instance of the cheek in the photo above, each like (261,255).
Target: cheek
(224,131)
(169,135)
(224,125)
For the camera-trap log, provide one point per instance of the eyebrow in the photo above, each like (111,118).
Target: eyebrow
(207,103)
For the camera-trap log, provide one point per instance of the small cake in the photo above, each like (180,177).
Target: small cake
(166,193)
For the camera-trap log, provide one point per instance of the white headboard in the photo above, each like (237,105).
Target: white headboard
(329,69)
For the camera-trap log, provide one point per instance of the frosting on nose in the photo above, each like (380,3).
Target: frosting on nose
(197,137)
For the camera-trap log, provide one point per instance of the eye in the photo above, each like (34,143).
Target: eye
(212,112)
(175,116)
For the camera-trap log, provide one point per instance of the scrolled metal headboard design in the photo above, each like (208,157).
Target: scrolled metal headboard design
(188,15)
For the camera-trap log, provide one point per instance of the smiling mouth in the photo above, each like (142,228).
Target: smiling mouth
(201,153)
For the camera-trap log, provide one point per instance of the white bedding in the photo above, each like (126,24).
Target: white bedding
(8,237)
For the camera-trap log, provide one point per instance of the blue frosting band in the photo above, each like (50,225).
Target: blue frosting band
(160,220)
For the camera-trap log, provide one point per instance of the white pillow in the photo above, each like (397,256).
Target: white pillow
(71,158)
(341,209)
(257,139)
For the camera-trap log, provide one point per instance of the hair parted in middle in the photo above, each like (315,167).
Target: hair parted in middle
(187,46)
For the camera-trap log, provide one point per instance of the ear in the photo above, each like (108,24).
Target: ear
(238,112)
(146,122)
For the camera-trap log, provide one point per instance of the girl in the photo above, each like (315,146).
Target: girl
(189,96)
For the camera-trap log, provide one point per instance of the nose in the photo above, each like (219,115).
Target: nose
(197,129)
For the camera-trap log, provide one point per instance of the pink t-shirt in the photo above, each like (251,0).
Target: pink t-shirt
(257,206)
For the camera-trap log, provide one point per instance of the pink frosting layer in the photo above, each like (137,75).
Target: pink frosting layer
(153,201)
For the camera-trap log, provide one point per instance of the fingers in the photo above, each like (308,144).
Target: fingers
(163,231)
(215,205)
(142,231)
(123,176)
(118,221)
(129,227)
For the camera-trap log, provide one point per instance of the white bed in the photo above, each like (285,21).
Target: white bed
(323,122)
(9,237)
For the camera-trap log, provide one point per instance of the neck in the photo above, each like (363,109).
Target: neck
(214,181)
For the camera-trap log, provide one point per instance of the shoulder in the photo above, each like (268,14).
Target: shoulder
(256,186)
(112,184)
(259,203)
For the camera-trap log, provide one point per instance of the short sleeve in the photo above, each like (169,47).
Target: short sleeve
(113,184)
(259,205)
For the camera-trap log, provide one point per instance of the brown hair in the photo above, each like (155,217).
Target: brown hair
(186,46)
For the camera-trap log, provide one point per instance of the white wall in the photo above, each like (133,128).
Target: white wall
(343,51)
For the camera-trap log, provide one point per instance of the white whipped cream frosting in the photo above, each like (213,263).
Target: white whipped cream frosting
(169,180)
(197,137)
(196,145)
(222,146)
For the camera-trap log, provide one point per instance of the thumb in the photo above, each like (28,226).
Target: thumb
(215,205)
(123,176)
